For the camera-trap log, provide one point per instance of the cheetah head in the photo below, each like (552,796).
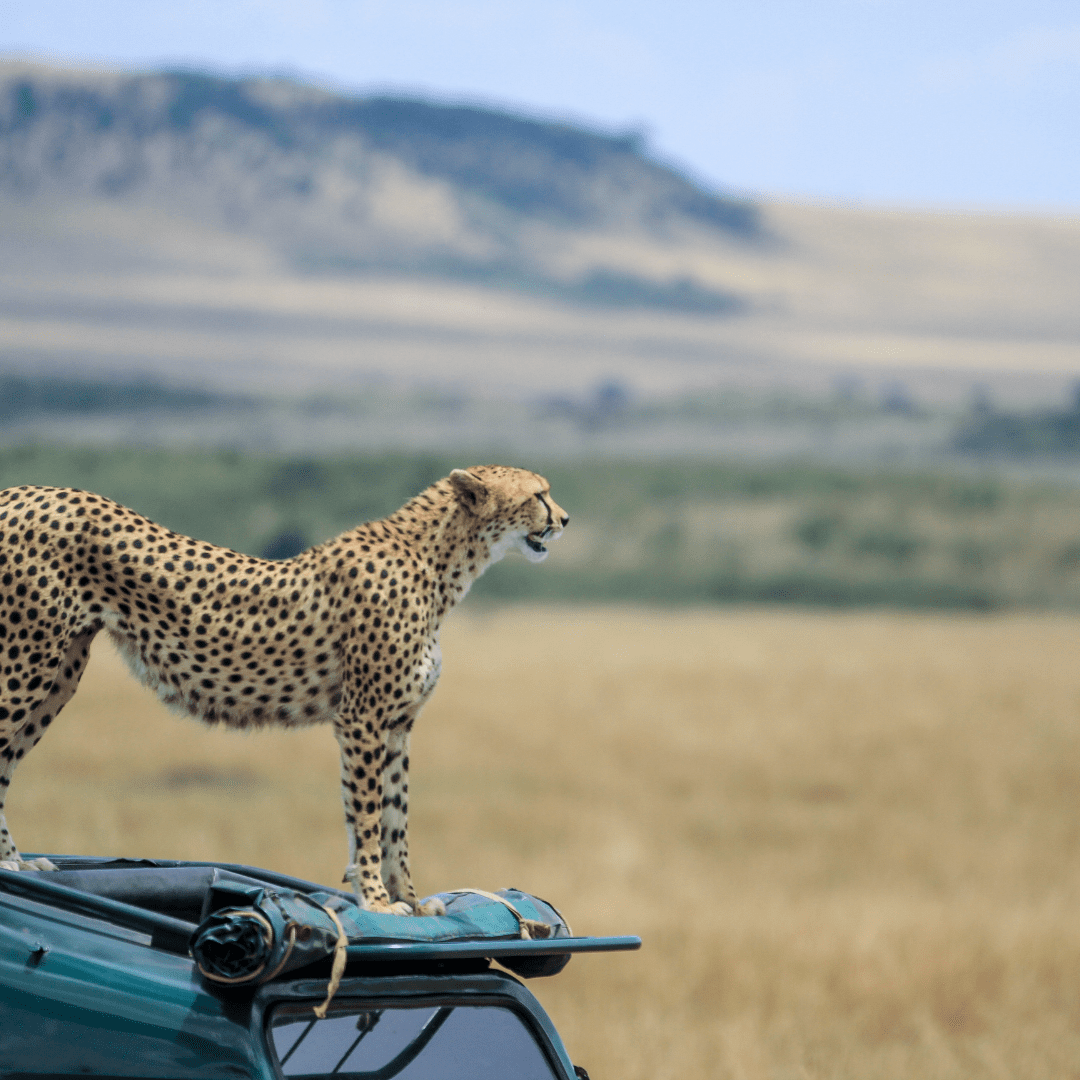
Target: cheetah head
(513,506)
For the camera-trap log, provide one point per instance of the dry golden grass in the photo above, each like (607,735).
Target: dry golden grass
(850,842)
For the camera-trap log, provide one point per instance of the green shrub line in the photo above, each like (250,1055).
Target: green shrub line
(668,532)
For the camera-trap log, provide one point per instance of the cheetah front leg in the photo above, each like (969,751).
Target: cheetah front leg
(362,754)
(395,822)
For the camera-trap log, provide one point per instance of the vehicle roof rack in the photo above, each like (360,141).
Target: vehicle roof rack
(245,925)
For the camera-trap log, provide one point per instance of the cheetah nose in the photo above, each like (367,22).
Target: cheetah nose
(565,520)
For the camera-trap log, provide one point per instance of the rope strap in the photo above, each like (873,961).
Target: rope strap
(340,954)
(530,928)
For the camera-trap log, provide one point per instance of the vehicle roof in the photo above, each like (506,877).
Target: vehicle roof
(108,987)
(163,902)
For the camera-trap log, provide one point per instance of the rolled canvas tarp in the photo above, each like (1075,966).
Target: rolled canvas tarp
(252,933)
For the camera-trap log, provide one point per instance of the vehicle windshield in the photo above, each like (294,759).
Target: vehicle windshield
(408,1042)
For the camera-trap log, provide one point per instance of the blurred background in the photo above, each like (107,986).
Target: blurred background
(785,302)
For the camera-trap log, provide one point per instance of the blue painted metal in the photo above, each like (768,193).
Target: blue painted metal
(91,985)
(490,950)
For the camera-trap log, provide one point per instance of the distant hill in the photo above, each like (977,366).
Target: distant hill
(260,236)
(339,183)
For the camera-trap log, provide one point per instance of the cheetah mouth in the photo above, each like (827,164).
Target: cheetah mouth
(536,546)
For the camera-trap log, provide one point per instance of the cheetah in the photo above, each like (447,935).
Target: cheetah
(345,633)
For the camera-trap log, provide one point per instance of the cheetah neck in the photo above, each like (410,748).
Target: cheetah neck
(455,545)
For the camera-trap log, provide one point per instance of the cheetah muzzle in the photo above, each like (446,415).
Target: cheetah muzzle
(345,633)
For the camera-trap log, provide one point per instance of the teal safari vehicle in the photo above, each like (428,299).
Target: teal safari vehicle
(165,970)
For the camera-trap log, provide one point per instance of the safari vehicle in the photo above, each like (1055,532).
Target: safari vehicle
(170,970)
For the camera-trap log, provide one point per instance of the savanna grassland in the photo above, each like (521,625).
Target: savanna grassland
(850,841)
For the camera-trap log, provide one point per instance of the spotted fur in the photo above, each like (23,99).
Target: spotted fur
(346,632)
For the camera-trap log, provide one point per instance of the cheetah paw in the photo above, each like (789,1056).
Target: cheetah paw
(26,864)
(393,907)
(432,906)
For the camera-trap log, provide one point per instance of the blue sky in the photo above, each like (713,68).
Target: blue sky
(950,103)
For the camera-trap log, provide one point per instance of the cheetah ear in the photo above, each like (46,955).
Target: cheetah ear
(470,490)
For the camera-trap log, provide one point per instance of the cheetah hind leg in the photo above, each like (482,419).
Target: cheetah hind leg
(17,745)
(10,859)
